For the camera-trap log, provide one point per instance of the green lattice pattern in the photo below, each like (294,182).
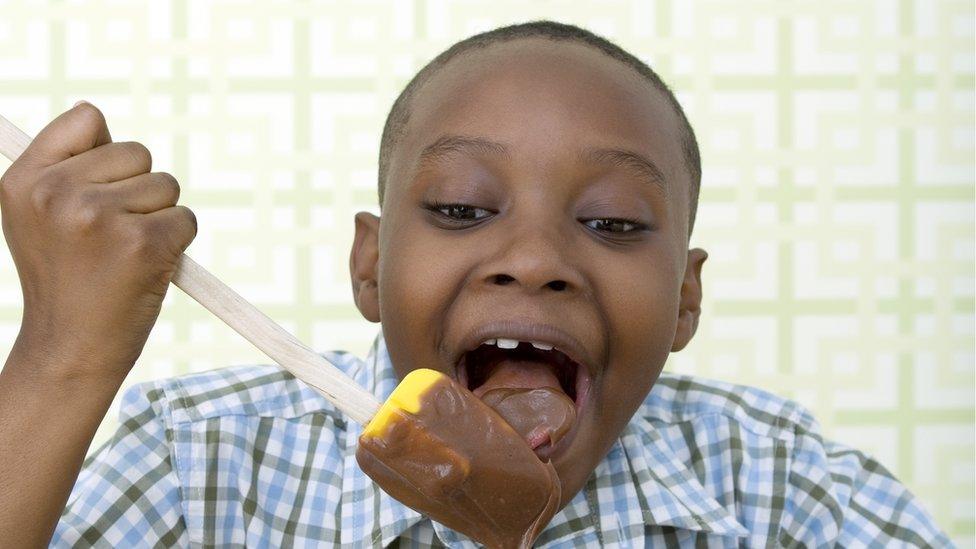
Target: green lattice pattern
(837,199)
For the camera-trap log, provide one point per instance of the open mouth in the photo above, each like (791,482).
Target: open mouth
(538,390)
(477,366)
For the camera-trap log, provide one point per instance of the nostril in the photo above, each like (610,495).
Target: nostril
(503,279)
(558,285)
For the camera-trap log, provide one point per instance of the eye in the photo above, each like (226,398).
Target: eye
(457,213)
(616,225)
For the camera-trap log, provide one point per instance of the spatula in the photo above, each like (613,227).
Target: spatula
(247,320)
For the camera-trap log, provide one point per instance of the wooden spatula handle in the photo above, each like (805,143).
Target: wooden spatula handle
(247,320)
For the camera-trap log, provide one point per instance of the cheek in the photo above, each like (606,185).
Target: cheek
(417,277)
(643,310)
(642,301)
(419,270)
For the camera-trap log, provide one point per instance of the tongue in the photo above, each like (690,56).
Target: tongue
(527,395)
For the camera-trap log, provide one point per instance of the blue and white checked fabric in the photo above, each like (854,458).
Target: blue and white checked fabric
(251,456)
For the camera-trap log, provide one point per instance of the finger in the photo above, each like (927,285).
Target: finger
(110,162)
(145,193)
(75,131)
(175,226)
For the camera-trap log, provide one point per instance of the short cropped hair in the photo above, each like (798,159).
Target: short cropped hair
(399,114)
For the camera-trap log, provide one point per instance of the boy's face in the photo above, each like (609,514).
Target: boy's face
(531,248)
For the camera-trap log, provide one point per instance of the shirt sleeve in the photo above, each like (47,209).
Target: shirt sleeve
(127,493)
(836,496)
(879,509)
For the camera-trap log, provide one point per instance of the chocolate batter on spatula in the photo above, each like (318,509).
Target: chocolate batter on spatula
(458,461)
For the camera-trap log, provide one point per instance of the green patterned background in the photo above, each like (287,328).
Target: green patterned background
(837,198)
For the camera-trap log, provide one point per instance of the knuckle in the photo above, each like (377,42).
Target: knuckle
(192,218)
(87,198)
(171,184)
(6,179)
(91,115)
(138,154)
(42,197)
(6,188)
(87,219)
(141,239)
(87,211)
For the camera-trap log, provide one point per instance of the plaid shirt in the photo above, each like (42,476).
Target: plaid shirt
(251,456)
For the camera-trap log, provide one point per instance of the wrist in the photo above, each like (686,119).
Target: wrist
(57,364)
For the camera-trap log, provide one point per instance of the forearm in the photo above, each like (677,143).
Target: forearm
(47,423)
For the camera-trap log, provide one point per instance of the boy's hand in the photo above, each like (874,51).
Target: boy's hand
(95,237)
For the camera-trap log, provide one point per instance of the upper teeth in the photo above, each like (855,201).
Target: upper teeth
(507,343)
(503,343)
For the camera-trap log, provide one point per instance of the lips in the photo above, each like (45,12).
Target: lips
(546,334)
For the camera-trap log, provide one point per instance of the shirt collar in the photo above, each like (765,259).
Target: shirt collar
(662,490)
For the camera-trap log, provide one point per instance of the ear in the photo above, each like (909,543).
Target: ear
(363,265)
(691,296)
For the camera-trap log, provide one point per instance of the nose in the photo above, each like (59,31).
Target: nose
(536,256)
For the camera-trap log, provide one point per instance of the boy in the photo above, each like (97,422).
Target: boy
(537,184)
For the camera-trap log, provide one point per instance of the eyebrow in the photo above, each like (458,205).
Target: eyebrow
(631,160)
(448,145)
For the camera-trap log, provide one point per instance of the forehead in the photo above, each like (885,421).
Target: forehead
(546,100)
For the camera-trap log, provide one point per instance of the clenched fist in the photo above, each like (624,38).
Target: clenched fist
(96,237)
